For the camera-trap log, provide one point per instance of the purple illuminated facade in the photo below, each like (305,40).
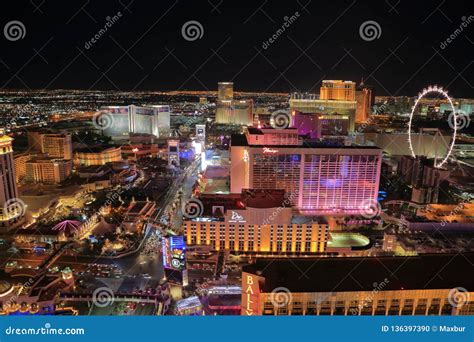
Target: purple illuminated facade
(307,124)
(317,125)
(317,179)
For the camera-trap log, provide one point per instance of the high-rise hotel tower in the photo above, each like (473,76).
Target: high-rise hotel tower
(10,211)
(320,178)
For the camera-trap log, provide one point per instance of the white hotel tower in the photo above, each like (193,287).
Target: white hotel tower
(10,209)
(135,119)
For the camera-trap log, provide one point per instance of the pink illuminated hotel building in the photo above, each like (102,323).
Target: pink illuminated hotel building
(318,178)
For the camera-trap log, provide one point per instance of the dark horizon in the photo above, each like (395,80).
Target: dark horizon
(144,49)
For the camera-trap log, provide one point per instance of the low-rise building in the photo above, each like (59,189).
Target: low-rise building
(97,155)
(138,212)
(136,151)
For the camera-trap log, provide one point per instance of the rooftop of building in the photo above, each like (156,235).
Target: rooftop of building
(93,169)
(96,149)
(137,206)
(270,129)
(337,81)
(45,159)
(188,303)
(57,135)
(241,140)
(40,230)
(253,130)
(304,219)
(5,287)
(447,241)
(434,271)
(255,198)
(5,138)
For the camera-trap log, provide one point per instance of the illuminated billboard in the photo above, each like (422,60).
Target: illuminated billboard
(174,253)
(251,285)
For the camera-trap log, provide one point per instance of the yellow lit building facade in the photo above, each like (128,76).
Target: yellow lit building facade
(225,91)
(99,156)
(57,145)
(412,285)
(11,209)
(48,170)
(338,90)
(259,231)
(398,303)
(363,99)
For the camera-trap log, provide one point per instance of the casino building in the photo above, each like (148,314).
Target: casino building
(97,155)
(230,110)
(321,178)
(340,105)
(423,285)
(135,119)
(256,222)
(333,114)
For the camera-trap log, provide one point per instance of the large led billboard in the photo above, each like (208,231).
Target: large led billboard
(174,252)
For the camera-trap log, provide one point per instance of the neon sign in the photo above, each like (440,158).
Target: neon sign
(269,150)
(236,217)
(251,294)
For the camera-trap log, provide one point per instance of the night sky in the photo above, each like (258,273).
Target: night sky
(145,50)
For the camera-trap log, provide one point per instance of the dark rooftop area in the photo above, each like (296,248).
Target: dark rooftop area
(137,207)
(251,198)
(241,140)
(437,271)
(93,168)
(253,130)
(94,149)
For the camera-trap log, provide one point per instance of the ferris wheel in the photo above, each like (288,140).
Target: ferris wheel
(444,93)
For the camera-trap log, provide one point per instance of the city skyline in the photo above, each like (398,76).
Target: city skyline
(221,158)
(146,47)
